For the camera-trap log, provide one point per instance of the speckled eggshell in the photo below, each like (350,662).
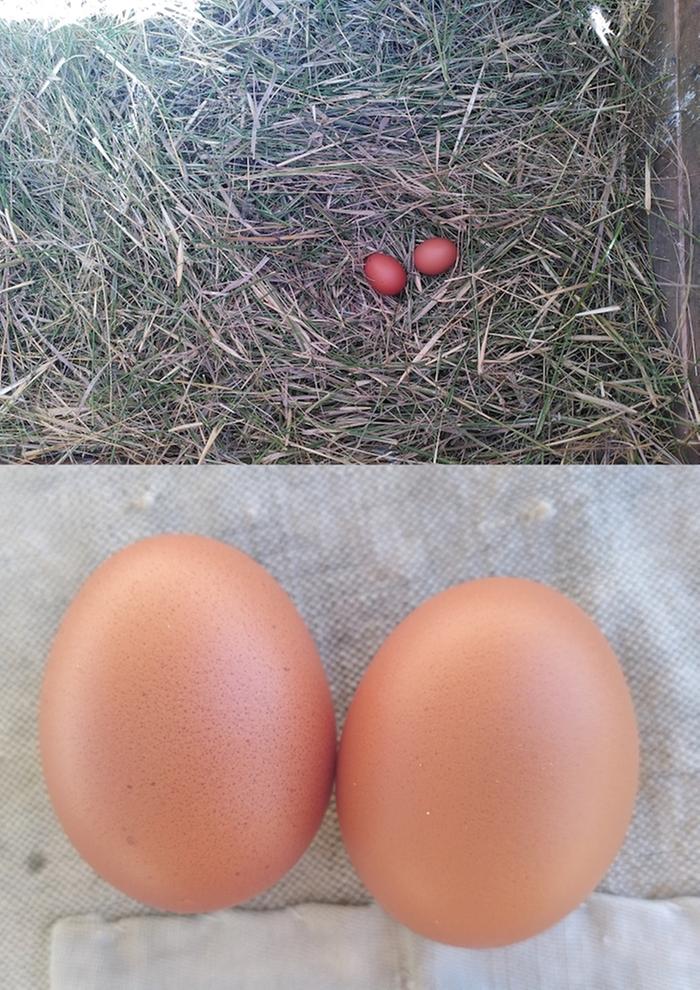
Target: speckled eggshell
(186,727)
(488,765)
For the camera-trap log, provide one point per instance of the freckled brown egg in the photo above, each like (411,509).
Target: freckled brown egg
(385,274)
(186,726)
(435,256)
(488,765)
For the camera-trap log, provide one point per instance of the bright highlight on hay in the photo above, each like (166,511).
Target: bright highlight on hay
(601,25)
(73,11)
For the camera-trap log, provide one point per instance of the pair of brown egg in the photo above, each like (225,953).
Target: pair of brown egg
(485,778)
(387,275)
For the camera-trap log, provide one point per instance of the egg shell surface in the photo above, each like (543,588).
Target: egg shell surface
(435,256)
(385,274)
(186,727)
(488,765)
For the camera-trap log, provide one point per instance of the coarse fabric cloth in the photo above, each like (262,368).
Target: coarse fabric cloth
(357,548)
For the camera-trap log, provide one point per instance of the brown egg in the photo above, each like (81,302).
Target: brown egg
(435,256)
(488,766)
(385,274)
(186,727)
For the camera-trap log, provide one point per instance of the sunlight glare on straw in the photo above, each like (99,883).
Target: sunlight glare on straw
(72,11)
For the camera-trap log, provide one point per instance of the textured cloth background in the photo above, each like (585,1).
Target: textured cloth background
(358,548)
(609,943)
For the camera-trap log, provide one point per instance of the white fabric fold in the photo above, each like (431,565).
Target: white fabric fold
(609,943)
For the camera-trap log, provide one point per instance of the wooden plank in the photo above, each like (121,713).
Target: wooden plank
(675,219)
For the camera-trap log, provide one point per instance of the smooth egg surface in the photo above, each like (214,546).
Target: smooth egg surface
(385,274)
(488,765)
(186,727)
(435,256)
